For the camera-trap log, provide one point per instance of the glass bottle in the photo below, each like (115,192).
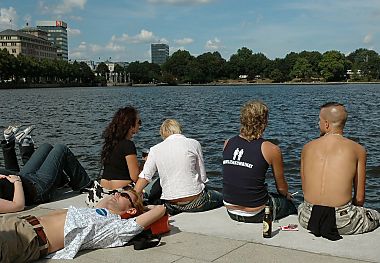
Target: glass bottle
(267,223)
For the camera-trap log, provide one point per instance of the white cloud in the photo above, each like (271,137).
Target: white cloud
(8,18)
(73,32)
(163,41)
(368,38)
(113,47)
(213,44)
(144,36)
(184,41)
(180,2)
(88,50)
(62,7)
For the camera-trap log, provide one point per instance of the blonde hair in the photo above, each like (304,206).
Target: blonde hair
(253,119)
(169,127)
(138,204)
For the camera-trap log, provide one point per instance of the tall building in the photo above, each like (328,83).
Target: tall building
(29,42)
(160,53)
(57,34)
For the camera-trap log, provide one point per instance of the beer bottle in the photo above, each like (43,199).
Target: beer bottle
(267,223)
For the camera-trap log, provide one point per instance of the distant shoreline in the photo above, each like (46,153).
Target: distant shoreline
(188,84)
(255,84)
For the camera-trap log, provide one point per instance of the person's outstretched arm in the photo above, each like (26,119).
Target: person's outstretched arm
(151,216)
(18,202)
(273,156)
(147,173)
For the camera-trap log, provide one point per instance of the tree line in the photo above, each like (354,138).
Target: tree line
(306,66)
(29,70)
(182,67)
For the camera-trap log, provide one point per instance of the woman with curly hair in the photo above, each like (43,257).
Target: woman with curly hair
(119,156)
(246,159)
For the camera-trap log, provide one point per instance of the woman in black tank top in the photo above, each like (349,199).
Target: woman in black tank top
(119,155)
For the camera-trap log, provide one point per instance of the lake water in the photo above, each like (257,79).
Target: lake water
(210,114)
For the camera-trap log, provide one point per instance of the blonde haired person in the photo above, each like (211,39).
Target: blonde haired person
(246,159)
(182,174)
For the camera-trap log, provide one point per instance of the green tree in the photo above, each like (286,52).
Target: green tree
(276,75)
(212,66)
(332,66)
(178,65)
(239,63)
(313,58)
(256,65)
(102,69)
(302,69)
(367,61)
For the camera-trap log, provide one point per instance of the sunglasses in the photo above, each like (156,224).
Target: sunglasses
(126,195)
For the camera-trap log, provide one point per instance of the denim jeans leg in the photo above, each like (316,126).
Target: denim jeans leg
(72,167)
(10,158)
(26,152)
(215,200)
(58,161)
(37,159)
(284,206)
(31,168)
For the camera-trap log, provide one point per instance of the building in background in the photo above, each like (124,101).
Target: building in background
(57,34)
(160,53)
(29,42)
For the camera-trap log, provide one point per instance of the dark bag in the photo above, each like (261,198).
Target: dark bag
(144,240)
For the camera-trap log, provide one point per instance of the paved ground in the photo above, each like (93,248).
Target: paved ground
(213,237)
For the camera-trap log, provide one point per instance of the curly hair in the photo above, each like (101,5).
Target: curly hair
(253,119)
(123,120)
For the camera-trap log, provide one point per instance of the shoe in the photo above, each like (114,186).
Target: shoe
(22,134)
(27,141)
(9,133)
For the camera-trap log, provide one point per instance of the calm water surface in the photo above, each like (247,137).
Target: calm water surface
(77,117)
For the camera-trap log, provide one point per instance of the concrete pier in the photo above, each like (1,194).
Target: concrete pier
(213,237)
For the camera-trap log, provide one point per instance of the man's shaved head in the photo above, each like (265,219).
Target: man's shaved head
(335,113)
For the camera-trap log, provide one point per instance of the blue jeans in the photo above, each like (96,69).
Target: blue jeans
(46,167)
(283,207)
(208,200)
(10,158)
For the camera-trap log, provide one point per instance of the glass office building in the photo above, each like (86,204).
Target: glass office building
(160,53)
(57,34)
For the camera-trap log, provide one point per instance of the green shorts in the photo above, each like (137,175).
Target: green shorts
(350,219)
(18,240)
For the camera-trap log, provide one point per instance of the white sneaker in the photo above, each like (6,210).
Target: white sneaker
(9,133)
(22,134)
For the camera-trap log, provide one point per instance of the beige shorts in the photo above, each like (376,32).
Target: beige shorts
(350,219)
(18,240)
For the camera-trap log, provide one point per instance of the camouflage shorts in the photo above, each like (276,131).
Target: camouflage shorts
(350,219)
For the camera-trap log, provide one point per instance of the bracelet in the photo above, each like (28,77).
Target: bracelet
(18,180)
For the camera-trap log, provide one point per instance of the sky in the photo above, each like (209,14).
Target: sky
(122,30)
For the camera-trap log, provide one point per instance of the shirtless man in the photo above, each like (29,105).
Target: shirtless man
(69,230)
(330,166)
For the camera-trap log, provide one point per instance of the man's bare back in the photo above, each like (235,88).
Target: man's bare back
(331,165)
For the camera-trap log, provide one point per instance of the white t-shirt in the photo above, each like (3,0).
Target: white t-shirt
(180,165)
(90,228)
